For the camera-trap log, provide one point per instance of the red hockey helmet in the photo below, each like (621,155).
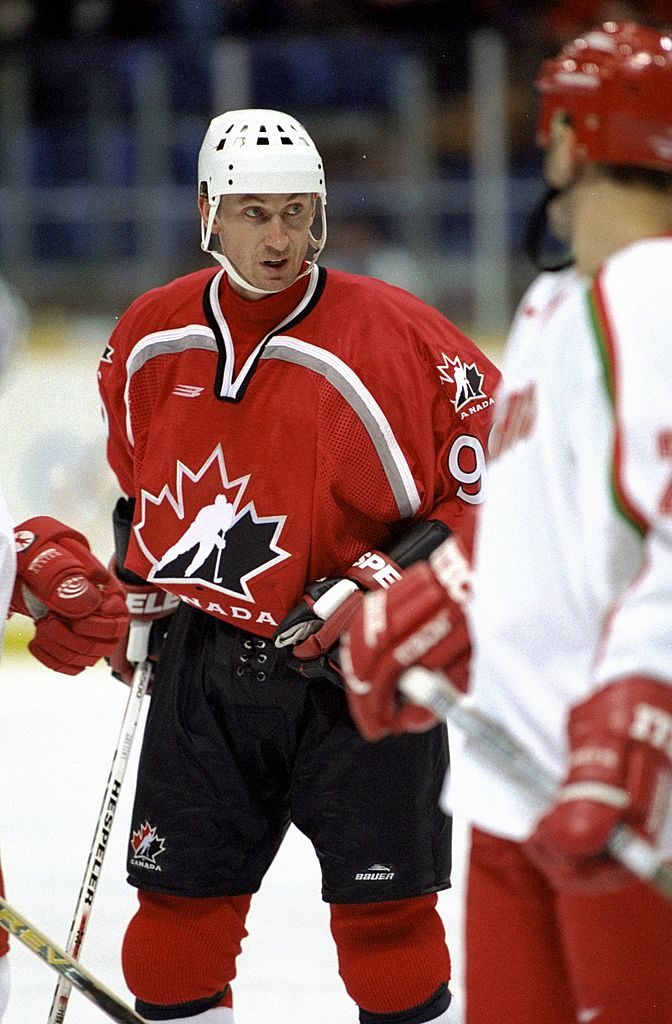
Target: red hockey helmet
(615,84)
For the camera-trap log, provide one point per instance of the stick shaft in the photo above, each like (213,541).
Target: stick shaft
(434,690)
(94,864)
(94,990)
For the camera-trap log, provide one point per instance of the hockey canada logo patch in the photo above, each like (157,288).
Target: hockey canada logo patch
(466,377)
(147,846)
(22,540)
(211,535)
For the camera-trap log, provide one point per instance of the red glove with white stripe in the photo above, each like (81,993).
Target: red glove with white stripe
(419,621)
(620,770)
(78,607)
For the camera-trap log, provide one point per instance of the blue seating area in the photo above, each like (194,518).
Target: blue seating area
(100,139)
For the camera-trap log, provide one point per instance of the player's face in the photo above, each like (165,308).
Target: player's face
(265,237)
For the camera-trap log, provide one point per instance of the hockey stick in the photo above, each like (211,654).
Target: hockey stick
(108,809)
(16,924)
(434,690)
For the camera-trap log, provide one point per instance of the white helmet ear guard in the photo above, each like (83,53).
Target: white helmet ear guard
(259,152)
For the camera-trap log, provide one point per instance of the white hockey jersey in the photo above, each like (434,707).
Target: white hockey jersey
(574,546)
(7,562)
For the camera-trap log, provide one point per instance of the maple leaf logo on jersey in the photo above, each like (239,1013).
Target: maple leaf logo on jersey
(213,538)
(466,377)
(147,845)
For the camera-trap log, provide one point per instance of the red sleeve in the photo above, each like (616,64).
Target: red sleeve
(407,442)
(464,388)
(351,486)
(437,393)
(153,311)
(112,385)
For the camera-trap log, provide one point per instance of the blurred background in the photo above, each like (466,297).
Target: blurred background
(424,112)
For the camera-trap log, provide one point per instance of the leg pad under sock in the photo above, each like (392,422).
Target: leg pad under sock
(392,956)
(180,950)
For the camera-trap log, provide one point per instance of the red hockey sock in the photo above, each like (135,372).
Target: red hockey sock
(392,956)
(179,950)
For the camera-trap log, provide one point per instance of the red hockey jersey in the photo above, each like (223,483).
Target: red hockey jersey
(258,468)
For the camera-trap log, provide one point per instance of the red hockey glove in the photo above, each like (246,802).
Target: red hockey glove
(420,621)
(149,609)
(315,625)
(620,757)
(78,607)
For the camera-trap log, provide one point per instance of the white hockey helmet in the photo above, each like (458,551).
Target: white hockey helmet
(259,152)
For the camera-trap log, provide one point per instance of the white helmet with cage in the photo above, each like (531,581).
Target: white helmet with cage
(259,152)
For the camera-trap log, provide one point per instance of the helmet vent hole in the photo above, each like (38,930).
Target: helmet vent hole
(285,141)
(261,141)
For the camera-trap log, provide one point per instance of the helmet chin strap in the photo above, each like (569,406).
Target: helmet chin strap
(232,273)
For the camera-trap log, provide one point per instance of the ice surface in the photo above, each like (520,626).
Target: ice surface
(57,738)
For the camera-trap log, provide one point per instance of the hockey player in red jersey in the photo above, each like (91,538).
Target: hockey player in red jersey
(286,437)
(571,613)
